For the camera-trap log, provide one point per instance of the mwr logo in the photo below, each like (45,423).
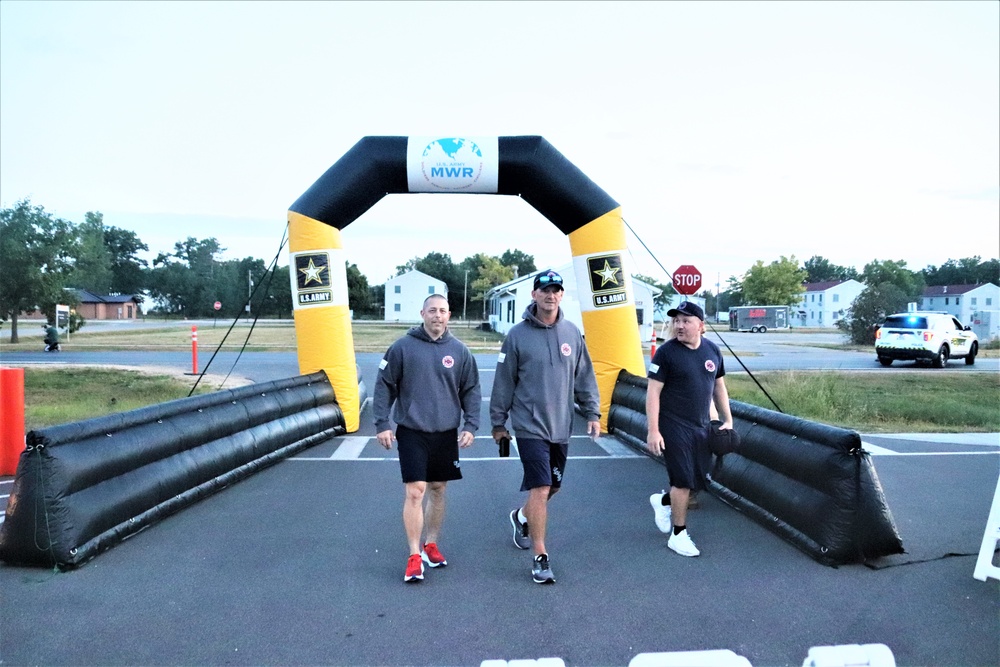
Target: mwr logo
(607,281)
(451,163)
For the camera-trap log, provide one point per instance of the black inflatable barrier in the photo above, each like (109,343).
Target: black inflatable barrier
(810,483)
(83,487)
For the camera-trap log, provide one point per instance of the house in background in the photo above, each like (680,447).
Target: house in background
(405,294)
(506,303)
(824,304)
(106,307)
(975,305)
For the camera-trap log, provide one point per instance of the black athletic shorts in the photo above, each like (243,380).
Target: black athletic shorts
(428,457)
(544,462)
(686,454)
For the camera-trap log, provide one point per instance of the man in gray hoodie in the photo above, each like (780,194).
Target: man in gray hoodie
(430,380)
(543,368)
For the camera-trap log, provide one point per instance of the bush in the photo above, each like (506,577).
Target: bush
(869,310)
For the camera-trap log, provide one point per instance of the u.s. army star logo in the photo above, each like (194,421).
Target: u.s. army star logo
(312,271)
(607,281)
(312,279)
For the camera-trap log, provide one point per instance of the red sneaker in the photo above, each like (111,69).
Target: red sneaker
(432,556)
(414,569)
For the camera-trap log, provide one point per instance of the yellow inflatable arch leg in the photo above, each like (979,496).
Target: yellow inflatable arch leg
(607,302)
(325,341)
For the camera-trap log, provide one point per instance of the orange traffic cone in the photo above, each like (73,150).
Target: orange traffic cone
(652,344)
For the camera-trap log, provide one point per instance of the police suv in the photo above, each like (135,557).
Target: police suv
(925,336)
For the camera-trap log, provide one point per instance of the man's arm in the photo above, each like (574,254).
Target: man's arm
(470,393)
(720,397)
(502,394)
(654,440)
(585,391)
(384,395)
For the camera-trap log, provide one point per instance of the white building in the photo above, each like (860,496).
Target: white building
(506,303)
(405,294)
(975,305)
(824,304)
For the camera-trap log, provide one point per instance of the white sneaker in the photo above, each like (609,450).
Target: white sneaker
(682,544)
(661,512)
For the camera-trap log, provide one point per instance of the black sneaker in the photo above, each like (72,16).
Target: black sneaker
(541,570)
(521,539)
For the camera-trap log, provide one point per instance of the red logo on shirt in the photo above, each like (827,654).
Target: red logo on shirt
(709,365)
(448,362)
(566,349)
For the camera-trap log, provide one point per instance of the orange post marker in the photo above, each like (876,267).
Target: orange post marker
(11,418)
(194,350)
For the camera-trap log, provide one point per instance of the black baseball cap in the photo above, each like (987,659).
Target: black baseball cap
(687,308)
(546,278)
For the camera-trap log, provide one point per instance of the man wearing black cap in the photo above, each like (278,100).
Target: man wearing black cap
(686,376)
(543,368)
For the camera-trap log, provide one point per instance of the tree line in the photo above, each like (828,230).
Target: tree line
(42,255)
(43,259)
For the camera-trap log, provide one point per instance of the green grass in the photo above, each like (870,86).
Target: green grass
(934,401)
(278,336)
(61,395)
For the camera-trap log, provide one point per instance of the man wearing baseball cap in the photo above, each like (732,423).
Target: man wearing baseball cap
(543,368)
(686,376)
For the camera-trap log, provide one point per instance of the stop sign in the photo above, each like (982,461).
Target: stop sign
(687,279)
(217,305)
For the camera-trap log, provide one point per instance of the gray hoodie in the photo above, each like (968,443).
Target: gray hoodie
(429,384)
(542,369)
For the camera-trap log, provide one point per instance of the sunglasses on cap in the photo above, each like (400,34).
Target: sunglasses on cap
(549,280)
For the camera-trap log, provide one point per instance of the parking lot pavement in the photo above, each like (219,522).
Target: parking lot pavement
(301,564)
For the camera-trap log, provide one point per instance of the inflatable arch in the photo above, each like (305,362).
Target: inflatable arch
(524,166)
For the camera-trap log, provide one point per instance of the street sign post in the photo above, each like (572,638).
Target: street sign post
(218,306)
(687,280)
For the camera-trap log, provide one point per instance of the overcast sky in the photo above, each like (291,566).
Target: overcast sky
(728,132)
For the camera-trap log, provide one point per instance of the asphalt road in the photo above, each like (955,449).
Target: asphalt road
(302,563)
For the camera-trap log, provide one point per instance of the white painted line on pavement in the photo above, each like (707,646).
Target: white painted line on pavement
(975,439)
(891,453)
(467,459)
(617,449)
(350,447)
(876,450)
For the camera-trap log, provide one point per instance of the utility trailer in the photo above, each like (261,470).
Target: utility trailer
(758,319)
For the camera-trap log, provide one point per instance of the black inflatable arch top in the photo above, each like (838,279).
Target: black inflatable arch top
(529,168)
